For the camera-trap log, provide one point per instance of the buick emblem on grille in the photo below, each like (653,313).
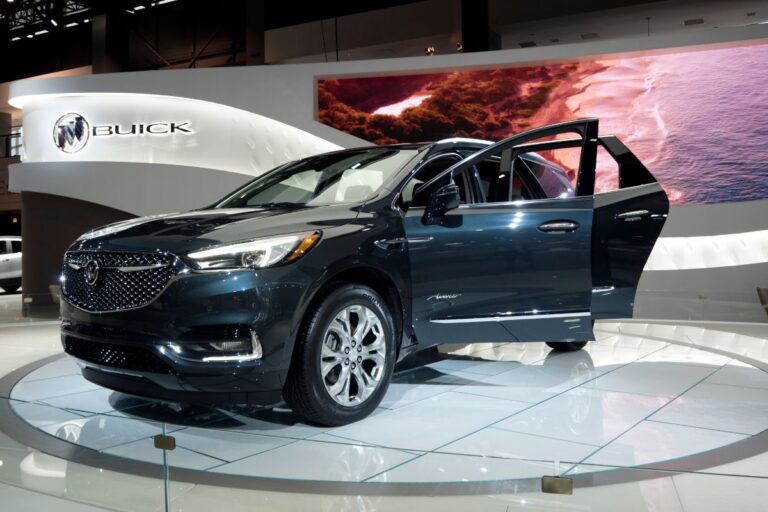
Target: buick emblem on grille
(91,272)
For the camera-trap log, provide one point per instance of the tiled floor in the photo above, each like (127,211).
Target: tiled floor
(475,413)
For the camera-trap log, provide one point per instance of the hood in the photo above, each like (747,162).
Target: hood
(181,233)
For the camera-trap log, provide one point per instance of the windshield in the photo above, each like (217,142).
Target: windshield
(337,178)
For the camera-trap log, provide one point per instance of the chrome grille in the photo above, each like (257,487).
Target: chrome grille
(125,280)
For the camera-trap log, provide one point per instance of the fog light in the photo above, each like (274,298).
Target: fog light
(219,351)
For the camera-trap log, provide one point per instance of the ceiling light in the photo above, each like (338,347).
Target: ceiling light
(54,23)
(41,32)
(30,36)
(161,2)
(429,50)
(73,24)
(139,7)
(460,47)
(15,38)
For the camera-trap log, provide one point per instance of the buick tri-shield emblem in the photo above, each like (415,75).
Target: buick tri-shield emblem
(71,132)
(91,272)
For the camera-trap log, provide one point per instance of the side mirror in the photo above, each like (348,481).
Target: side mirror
(440,201)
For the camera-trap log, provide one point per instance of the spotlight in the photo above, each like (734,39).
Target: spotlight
(429,50)
(460,47)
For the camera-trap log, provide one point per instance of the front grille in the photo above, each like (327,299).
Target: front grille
(125,280)
(125,357)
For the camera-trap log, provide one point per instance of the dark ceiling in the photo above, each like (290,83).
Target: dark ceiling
(43,36)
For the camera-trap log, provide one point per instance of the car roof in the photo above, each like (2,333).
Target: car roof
(451,142)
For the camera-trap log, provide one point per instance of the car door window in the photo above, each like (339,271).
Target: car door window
(4,247)
(15,246)
(500,185)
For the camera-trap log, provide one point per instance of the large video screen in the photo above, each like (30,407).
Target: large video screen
(697,118)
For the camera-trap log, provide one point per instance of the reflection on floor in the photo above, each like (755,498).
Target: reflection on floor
(477,412)
(480,412)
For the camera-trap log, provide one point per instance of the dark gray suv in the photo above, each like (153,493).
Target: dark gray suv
(311,281)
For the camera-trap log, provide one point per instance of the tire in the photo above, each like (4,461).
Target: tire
(324,385)
(566,346)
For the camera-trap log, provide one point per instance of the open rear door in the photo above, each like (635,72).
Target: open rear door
(626,224)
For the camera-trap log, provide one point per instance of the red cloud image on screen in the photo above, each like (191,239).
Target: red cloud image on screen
(697,118)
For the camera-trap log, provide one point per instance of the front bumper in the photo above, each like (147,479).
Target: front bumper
(128,350)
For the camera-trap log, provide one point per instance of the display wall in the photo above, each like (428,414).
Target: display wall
(695,117)
(199,168)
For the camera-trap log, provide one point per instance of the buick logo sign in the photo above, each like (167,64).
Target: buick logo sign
(71,133)
(91,272)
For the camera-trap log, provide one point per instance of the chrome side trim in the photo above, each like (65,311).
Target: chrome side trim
(509,318)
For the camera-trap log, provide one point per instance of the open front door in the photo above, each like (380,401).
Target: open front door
(627,223)
(513,261)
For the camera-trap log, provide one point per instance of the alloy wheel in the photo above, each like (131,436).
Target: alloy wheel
(353,355)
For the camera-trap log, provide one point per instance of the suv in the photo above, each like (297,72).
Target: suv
(313,280)
(10,263)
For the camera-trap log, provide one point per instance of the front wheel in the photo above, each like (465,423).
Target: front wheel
(343,358)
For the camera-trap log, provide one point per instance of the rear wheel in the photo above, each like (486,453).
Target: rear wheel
(343,358)
(566,346)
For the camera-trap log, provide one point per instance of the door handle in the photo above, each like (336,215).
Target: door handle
(393,244)
(633,215)
(559,226)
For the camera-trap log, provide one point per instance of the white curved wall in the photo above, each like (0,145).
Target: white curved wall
(213,136)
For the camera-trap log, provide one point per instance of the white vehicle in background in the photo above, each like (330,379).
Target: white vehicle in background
(10,263)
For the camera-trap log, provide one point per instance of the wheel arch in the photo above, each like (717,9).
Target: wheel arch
(366,274)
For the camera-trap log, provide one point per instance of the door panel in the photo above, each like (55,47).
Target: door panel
(512,269)
(487,271)
(627,224)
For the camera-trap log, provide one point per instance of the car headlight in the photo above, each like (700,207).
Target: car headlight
(262,253)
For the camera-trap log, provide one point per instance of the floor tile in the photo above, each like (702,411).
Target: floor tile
(476,365)
(95,401)
(684,354)
(144,450)
(653,378)
(493,442)
(102,431)
(414,427)
(320,461)
(714,406)
(39,415)
(439,467)
(651,442)
(228,446)
(50,388)
(716,493)
(534,383)
(584,415)
(737,373)
(61,367)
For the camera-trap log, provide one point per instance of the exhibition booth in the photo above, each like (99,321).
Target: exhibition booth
(670,406)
